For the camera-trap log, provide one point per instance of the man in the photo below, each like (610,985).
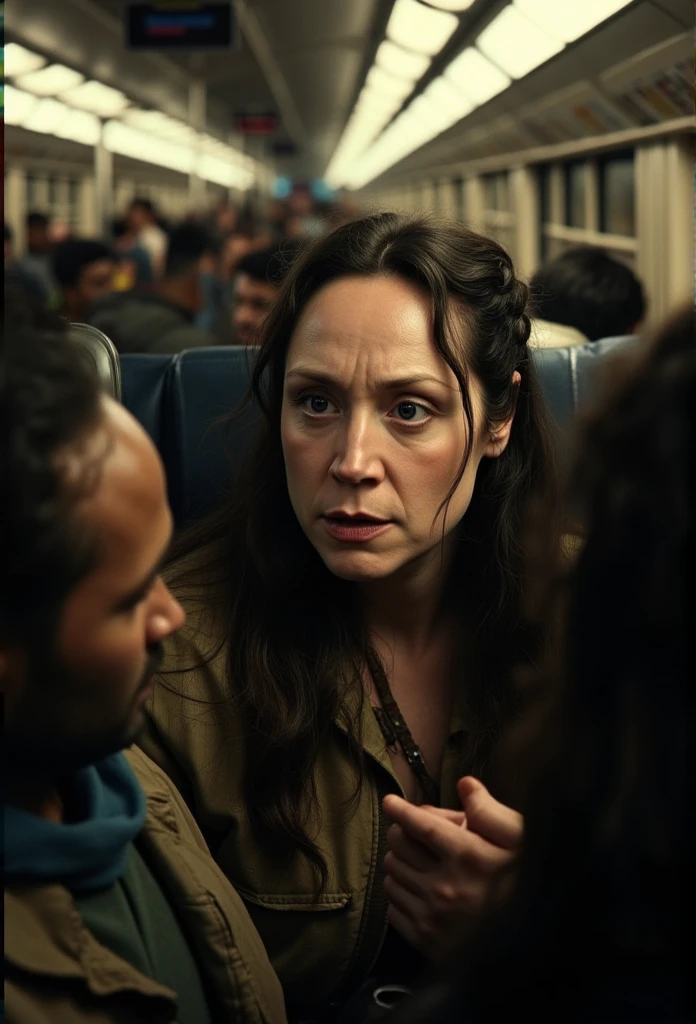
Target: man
(40,246)
(84,271)
(161,320)
(114,909)
(584,295)
(20,279)
(256,285)
(141,221)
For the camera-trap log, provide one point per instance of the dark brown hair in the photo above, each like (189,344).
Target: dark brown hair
(597,924)
(297,639)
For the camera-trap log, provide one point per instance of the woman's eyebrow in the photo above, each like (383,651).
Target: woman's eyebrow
(393,384)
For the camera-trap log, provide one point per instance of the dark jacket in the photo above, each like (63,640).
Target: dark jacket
(141,321)
(56,972)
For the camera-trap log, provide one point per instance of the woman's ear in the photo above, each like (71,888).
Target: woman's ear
(499,435)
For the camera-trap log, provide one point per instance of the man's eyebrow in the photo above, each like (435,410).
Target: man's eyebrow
(395,384)
(139,591)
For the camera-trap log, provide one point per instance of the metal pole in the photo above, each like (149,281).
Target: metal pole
(197,120)
(103,187)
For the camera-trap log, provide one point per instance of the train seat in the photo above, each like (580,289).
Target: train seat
(181,399)
(101,351)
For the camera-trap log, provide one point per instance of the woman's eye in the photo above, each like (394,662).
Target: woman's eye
(412,412)
(317,404)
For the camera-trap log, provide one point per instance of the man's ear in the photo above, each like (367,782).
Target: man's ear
(499,435)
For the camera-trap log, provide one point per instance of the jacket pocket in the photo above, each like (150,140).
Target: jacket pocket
(309,939)
(300,901)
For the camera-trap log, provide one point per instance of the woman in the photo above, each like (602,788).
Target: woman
(354,610)
(597,929)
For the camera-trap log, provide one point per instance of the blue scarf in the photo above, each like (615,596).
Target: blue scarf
(85,855)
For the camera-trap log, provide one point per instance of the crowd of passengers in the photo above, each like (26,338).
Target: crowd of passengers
(212,278)
(401,731)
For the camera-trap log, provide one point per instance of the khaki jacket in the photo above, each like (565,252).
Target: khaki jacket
(321,945)
(57,973)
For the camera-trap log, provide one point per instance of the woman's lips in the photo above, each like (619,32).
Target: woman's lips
(355,530)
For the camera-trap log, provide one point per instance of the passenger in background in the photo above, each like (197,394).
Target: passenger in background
(84,271)
(256,286)
(355,607)
(134,264)
(597,928)
(114,909)
(21,278)
(584,295)
(162,319)
(40,246)
(142,225)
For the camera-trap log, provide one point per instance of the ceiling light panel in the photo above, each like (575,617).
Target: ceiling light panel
(476,76)
(402,63)
(50,81)
(79,126)
(450,5)
(128,141)
(97,98)
(18,105)
(448,98)
(516,44)
(46,116)
(420,28)
(569,21)
(20,61)
(387,85)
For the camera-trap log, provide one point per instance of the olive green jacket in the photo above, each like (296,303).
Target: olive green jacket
(56,972)
(322,945)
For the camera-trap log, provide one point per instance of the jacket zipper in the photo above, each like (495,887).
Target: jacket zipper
(375,909)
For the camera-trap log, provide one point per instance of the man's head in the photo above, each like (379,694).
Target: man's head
(84,270)
(83,610)
(39,241)
(256,285)
(190,250)
(587,289)
(141,212)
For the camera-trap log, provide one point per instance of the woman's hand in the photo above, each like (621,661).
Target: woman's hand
(441,864)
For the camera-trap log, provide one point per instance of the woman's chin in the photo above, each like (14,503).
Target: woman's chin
(359,566)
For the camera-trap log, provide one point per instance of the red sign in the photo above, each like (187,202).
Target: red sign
(256,124)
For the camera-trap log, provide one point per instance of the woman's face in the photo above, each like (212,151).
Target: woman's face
(373,428)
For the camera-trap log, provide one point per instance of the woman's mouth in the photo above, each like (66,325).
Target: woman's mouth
(353,529)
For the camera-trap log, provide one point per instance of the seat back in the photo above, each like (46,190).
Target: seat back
(101,351)
(181,399)
(567,374)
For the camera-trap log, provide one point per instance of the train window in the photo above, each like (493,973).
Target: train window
(575,194)
(497,192)
(617,195)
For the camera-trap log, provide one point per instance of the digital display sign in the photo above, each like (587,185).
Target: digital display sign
(191,26)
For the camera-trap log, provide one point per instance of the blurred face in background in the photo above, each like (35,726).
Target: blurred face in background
(95,281)
(251,303)
(39,239)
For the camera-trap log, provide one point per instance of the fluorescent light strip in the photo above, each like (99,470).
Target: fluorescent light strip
(50,81)
(450,5)
(525,34)
(97,98)
(400,62)
(516,44)
(20,61)
(419,28)
(568,21)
